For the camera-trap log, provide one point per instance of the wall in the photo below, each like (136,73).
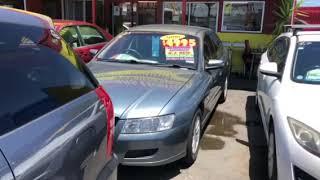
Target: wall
(313,15)
(35,6)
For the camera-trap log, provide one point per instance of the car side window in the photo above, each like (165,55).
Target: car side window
(70,35)
(218,46)
(279,51)
(91,35)
(207,49)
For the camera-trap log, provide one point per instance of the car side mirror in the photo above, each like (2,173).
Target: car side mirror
(93,52)
(214,64)
(270,69)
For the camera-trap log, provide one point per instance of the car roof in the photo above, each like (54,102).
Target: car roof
(304,35)
(169,28)
(17,16)
(61,22)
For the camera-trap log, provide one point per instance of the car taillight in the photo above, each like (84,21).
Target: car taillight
(106,100)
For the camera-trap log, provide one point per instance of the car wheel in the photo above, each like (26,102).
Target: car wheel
(193,140)
(272,156)
(224,94)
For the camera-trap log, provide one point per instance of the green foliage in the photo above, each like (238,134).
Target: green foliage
(284,13)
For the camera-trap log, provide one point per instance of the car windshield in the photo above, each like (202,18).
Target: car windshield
(306,68)
(176,50)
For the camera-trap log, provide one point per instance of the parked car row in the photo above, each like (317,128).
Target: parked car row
(59,122)
(143,99)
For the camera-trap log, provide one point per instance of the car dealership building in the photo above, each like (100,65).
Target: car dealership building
(234,20)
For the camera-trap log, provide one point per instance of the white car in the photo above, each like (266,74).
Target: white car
(288,97)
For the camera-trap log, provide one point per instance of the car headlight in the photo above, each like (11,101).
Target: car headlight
(148,125)
(305,136)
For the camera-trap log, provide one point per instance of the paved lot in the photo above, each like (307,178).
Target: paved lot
(232,147)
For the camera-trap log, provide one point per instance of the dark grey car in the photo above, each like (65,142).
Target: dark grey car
(164,80)
(55,119)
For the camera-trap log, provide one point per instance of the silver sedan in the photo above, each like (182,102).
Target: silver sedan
(164,81)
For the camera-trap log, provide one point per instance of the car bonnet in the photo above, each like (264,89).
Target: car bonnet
(139,90)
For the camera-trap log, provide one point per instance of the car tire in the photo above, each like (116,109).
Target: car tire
(272,156)
(193,143)
(224,94)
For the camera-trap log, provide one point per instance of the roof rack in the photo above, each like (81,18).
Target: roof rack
(295,28)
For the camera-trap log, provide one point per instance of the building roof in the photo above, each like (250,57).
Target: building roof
(168,28)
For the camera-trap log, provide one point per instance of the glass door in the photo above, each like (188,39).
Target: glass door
(52,8)
(204,14)
(147,12)
(172,12)
(80,10)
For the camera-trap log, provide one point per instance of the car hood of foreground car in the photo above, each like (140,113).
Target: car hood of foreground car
(301,102)
(139,90)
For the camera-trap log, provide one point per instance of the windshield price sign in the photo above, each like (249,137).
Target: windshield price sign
(177,40)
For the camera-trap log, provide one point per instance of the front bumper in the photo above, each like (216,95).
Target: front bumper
(110,171)
(151,149)
(295,162)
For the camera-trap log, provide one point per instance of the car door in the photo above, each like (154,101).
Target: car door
(220,53)
(269,86)
(71,36)
(91,38)
(209,52)
(5,171)
(53,123)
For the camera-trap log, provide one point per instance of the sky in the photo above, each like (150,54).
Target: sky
(310,3)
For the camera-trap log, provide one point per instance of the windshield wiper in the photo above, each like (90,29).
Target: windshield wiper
(174,66)
(131,61)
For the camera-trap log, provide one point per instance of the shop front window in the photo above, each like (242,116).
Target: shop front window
(243,16)
(19,4)
(172,12)
(203,14)
(129,14)
(52,8)
(81,10)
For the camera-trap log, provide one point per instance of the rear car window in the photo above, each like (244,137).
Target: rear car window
(91,35)
(39,72)
(306,67)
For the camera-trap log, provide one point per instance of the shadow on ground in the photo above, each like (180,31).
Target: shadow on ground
(149,173)
(239,83)
(257,142)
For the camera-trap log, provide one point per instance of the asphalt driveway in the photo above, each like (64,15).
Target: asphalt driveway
(232,147)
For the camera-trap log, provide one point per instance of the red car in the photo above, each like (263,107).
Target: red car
(85,38)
